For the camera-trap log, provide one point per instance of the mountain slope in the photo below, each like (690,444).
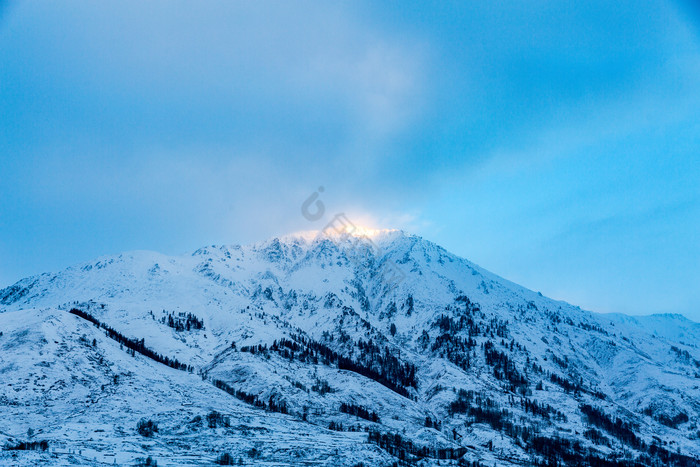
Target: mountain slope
(374,349)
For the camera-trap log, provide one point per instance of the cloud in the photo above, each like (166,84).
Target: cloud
(260,57)
(382,84)
(490,128)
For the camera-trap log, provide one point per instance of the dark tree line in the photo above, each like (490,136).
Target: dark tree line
(454,325)
(42,445)
(432,423)
(664,419)
(359,411)
(685,355)
(337,426)
(469,306)
(456,349)
(542,410)
(85,316)
(564,451)
(147,428)
(374,362)
(566,384)
(183,322)
(616,427)
(225,459)
(135,345)
(271,405)
(216,419)
(461,318)
(561,451)
(596,437)
(405,450)
(588,327)
(467,399)
(322,387)
(503,368)
(482,409)
(667,457)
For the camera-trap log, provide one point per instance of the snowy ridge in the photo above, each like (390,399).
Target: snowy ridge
(313,354)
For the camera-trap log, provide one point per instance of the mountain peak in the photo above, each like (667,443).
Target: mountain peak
(341,232)
(376,342)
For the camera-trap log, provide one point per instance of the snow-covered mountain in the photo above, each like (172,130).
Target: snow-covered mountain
(340,350)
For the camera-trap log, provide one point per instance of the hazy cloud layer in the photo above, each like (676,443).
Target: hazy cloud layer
(556,145)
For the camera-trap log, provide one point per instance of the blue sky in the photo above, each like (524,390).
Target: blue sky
(556,144)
